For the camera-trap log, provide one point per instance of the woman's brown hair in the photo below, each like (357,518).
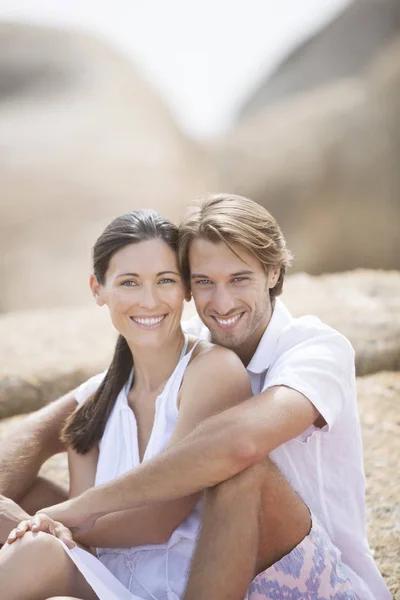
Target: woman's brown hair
(85,427)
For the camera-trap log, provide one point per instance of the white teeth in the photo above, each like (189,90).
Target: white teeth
(150,321)
(230,321)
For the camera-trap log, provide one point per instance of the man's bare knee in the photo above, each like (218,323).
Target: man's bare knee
(238,489)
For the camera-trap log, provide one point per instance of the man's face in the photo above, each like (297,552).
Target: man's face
(231,293)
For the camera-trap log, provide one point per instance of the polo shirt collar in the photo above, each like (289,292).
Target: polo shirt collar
(261,359)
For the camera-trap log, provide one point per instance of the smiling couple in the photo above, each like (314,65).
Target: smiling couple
(217,459)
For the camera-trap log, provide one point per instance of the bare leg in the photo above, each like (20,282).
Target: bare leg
(42,493)
(250,522)
(37,567)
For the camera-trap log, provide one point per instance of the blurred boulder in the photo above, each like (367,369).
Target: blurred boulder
(364,305)
(341,49)
(326,165)
(83,138)
(46,353)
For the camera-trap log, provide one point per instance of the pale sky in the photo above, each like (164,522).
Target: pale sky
(204,57)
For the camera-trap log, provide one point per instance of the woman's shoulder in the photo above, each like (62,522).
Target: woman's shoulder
(209,356)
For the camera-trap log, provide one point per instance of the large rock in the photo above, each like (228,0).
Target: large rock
(342,48)
(379,397)
(364,305)
(326,165)
(83,138)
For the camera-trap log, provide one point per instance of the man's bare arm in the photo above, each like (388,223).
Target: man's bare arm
(217,449)
(30,444)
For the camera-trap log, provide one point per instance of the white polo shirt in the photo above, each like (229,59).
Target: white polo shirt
(325,466)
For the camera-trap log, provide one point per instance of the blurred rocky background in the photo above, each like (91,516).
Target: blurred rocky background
(85,135)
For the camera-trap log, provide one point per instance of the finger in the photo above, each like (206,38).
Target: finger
(22,528)
(12,536)
(42,522)
(65,536)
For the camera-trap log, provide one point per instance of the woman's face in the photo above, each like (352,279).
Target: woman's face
(144,292)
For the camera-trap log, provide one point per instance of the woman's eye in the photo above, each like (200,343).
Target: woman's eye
(166,280)
(128,283)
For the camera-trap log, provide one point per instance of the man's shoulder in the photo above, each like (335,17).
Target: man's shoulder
(309,332)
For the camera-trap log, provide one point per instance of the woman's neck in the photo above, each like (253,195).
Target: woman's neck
(154,366)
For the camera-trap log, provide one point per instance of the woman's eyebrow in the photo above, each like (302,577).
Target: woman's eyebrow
(137,274)
(166,272)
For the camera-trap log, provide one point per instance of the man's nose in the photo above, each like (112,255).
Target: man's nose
(223,301)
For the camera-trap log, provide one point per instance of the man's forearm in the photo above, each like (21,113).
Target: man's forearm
(213,452)
(219,448)
(29,445)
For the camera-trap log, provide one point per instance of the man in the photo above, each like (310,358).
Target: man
(293,447)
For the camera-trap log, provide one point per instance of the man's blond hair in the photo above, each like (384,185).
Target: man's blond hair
(236,221)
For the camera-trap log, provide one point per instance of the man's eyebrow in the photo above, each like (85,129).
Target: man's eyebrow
(237,274)
(137,274)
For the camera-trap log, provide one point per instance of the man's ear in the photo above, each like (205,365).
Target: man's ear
(273,276)
(188,295)
(97,290)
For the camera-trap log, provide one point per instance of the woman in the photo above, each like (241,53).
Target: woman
(159,386)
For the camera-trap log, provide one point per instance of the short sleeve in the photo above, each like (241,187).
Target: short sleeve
(89,387)
(322,369)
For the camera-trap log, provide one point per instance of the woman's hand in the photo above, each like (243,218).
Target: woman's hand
(42,522)
(73,514)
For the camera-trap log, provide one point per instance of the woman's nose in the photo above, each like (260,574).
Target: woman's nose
(148,298)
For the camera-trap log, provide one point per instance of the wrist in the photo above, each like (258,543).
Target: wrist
(88,504)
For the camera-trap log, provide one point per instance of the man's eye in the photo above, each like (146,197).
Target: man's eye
(203,281)
(239,279)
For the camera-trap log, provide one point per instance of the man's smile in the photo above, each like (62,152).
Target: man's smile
(228,322)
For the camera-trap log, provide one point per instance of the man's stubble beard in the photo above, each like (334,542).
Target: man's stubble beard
(230,341)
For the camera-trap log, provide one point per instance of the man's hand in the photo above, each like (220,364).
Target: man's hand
(10,515)
(45,524)
(72,514)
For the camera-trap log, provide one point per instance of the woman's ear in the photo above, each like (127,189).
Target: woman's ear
(188,295)
(97,290)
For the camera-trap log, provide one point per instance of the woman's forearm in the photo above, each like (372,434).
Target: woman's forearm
(135,527)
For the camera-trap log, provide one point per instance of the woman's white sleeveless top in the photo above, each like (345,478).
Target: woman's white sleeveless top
(152,571)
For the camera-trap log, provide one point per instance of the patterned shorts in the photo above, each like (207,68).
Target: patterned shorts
(311,571)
